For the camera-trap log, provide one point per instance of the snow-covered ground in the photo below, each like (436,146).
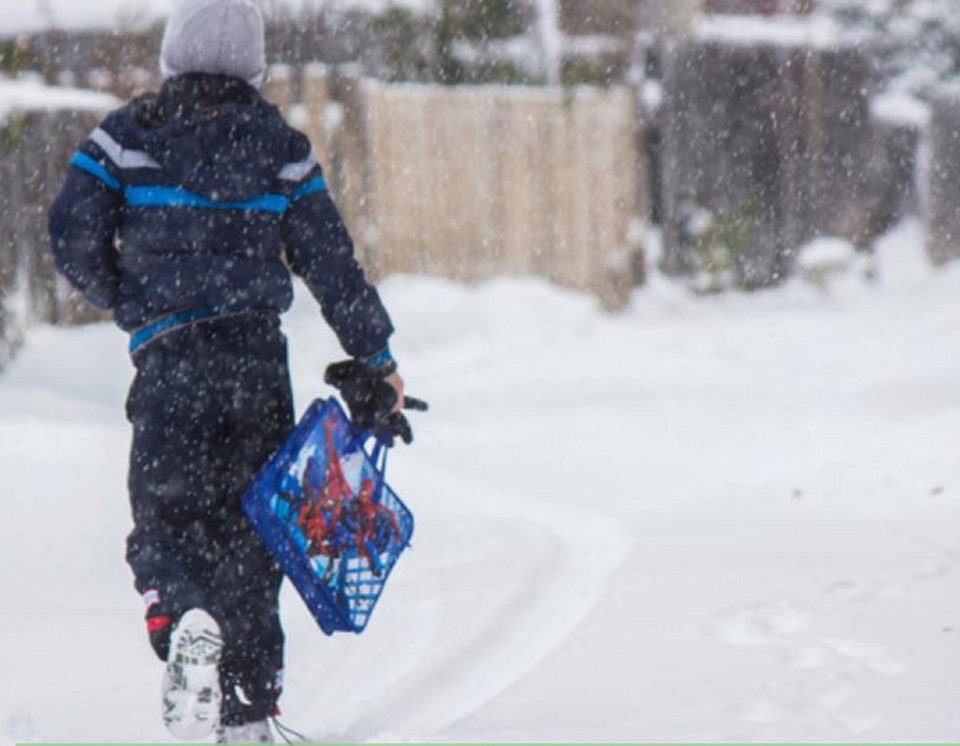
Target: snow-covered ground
(734,518)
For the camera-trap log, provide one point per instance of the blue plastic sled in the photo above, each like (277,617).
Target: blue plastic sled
(325,512)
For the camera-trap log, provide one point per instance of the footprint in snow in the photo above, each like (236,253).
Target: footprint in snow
(874,658)
(855,592)
(827,672)
(764,625)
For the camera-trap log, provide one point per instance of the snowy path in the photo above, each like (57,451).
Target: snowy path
(725,519)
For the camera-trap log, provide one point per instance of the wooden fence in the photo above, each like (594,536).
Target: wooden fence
(475,182)
(472,182)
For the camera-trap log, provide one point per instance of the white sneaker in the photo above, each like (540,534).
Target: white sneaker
(191,683)
(258,732)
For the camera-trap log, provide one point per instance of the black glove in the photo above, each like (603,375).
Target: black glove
(371,400)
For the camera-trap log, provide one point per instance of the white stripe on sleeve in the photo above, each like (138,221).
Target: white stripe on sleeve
(121,157)
(297,171)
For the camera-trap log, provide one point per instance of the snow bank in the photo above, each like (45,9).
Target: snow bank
(826,252)
(18,95)
(651,94)
(901,109)
(787,31)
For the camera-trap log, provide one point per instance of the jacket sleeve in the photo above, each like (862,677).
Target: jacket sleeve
(319,250)
(83,223)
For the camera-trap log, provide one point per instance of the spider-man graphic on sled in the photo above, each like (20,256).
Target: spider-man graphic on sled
(335,527)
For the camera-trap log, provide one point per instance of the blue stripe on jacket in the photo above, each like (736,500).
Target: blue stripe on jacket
(158,196)
(165,196)
(85,163)
(317,184)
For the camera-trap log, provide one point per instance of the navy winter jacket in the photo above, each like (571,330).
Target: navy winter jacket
(187,201)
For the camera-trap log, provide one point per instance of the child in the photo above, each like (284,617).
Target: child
(177,214)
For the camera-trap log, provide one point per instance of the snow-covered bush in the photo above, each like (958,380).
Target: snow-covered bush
(915,44)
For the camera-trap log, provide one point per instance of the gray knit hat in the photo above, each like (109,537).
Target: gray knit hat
(215,36)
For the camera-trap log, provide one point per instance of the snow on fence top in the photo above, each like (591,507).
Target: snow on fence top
(21,95)
(901,109)
(946,92)
(491,94)
(786,31)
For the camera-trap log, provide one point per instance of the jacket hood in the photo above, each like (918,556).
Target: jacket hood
(215,136)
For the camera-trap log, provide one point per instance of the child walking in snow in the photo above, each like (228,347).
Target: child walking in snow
(177,214)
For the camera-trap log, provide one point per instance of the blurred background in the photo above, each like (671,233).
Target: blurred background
(676,278)
(589,142)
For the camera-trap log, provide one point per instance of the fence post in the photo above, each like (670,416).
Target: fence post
(943,186)
(10,332)
(315,88)
(279,87)
(352,168)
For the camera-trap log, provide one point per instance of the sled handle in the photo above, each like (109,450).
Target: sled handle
(378,456)
(380,452)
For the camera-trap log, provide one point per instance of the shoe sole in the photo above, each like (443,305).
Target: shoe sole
(191,683)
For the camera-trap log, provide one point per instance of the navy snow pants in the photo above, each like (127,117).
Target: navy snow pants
(210,404)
